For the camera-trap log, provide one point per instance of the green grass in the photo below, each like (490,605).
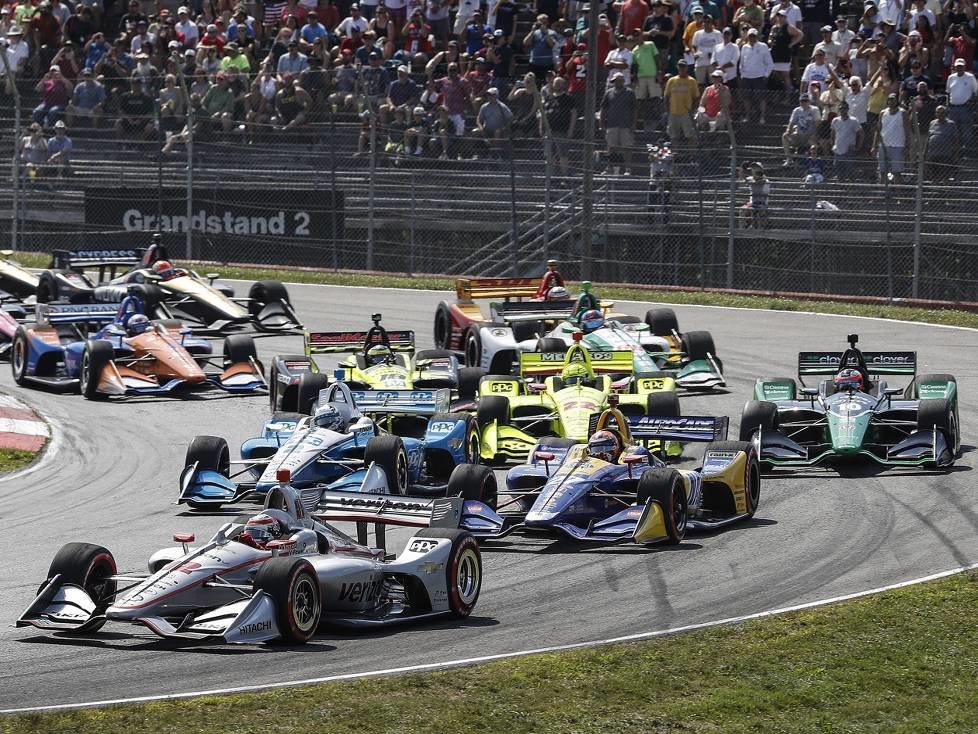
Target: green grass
(951,317)
(13,459)
(901,661)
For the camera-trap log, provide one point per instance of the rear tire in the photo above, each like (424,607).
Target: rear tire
(473,348)
(273,385)
(293,585)
(443,327)
(662,405)
(264,292)
(310,383)
(18,356)
(662,321)
(88,566)
(390,455)
(98,353)
(474,482)
(697,344)
(550,344)
(239,348)
(432,354)
(47,288)
(463,571)
(468,382)
(210,452)
(493,408)
(665,487)
(757,414)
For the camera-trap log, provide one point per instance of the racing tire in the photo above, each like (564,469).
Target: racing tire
(239,348)
(526,330)
(550,344)
(913,392)
(474,482)
(390,455)
(666,488)
(493,408)
(473,348)
(98,353)
(440,463)
(307,393)
(443,327)
(264,292)
(463,571)
(294,587)
(752,472)
(149,293)
(757,414)
(939,413)
(698,344)
(662,321)
(662,405)
(273,398)
(627,319)
(433,354)
(47,288)
(468,382)
(285,415)
(90,567)
(210,452)
(19,351)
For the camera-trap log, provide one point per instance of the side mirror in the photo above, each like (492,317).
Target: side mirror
(546,457)
(630,460)
(810,391)
(212,277)
(893,391)
(183,539)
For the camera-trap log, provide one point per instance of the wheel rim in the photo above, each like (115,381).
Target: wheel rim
(474,453)
(305,604)
(86,361)
(401,470)
(467,577)
(19,359)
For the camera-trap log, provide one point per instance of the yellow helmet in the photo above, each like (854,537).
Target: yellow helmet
(574,371)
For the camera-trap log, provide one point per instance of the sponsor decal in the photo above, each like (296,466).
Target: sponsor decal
(255,627)
(498,387)
(360,591)
(105,255)
(377,504)
(284,378)
(422,546)
(441,427)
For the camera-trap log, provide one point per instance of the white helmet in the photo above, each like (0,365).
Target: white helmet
(265,527)
(330,417)
(558,293)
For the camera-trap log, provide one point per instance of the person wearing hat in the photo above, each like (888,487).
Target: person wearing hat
(311,32)
(575,71)
(890,138)
(18,54)
(660,28)
(234,58)
(832,50)
(792,13)
(715,105)
(682,94)
(293,62)
(842,36)
(59,151)
(917,10)
(375,81)
(847,141)
(417,133)
(783,40)
(617,114)
(726,57)
(705,40)
(133,17)
(910,85)
(962,88)
(816,71)
(493,123)
(694,24)
(540,42)
(632,16)
(87,100)
(619,59)
(187,32)
(474,34)
(800,131)
(756,65)
(502,59)
(479,79)
(212,38)
(913,50)
(55,93)
(756,211)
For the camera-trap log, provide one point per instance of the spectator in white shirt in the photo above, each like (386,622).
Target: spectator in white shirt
(185,26)
(891,10)
(705,40)
(831,49)
(961,90)
(816,71)
(920,8)
(755,67)
(619,59)
(842,36)
(725,58)
(792,12)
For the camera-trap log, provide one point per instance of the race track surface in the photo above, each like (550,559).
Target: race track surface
(817,533)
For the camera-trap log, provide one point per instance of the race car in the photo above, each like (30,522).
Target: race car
(612,488)
(853,414)
(15,280)
(346,445)
(128,355)
(514,412)
(280,575)
(379,360)
(167,291)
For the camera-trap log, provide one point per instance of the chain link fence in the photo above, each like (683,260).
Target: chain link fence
(361,187)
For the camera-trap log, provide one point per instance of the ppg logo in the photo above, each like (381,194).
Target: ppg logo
(501,387)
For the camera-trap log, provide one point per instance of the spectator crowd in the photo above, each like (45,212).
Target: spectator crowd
(447,78)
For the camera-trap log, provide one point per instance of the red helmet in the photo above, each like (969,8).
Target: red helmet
(604,445)
(162,265)
(848,379)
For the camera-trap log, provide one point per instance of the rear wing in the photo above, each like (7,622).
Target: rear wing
(877,363)
(685,428)
(334,342)
(406,402)
(437,512)
(515,311)
(72,313)
(470,289)
(82,259)
(552,363)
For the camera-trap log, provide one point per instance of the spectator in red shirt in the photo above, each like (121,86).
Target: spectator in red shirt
(212,38)
(576,74)
(632,16)
(45,32)
(55,93)
(417,44)
(478,80)
(454,90)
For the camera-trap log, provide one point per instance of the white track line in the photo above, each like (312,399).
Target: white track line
(48,453)
(499,656)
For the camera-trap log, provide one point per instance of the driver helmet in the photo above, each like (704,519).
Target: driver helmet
(574,372)
(137,324)
(264,528)
(591,321)
(164,269)
(379,354)
(558,293)
(848,379)
(604,445)
(330,417)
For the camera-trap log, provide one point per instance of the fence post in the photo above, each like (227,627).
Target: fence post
(918,213)
(514,224)
(332,183)
(590,109)
(414,210)
(159,165)
(370,191)
(548,173)
(732,214)
(889,240)
(190,180)
(15,159)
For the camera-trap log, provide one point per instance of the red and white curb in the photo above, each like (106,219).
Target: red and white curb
(20,427)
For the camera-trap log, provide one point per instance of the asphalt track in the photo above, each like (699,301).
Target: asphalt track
(817,534)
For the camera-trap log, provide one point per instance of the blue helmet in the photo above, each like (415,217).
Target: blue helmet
(591,320)
(137,324)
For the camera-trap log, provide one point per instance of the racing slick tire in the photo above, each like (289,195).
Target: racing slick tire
(47,287)
(468,382)
(665,487)
(433,354)
(550,344)
(18,356)
(525,330)
(149,293)
(294,587)
(239,348)
(98,353)
(443,327)
(210,452)
(662,321)
(264,292)
(463,571)
(440,463)
(310,383)
(757,414)
(939,413)
(472,345)
(627,319)
(474,482)
(752,475)
(390,455)
(698,344)
(493,408)
(662,405)
(289,402)
(90,567)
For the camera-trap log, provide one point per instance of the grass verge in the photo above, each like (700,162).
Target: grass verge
(949,317)
(900,661)
(14,459)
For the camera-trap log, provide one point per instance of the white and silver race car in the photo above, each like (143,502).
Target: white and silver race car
(237,589)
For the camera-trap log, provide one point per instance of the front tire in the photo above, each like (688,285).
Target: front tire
(210,452)
(752,472)
(758,414)
(294,587)
(463,571)
(264,292)
(662,405)
(473,348)
(662,321)
(443,327)
(307,393)
(551,344)
(90,567)
(239,348)
(939,413)
(18,356)
(98,353)
(390,455)
(474,482)
(493,408)
(665,487)
(468,382)
(698,345)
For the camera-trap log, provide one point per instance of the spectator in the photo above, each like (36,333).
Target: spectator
(961,91)
(816,14)
(816,71)
(473,33)
(912,51)
(918,11)
(242,26)
(384,30)
(436,15)
(87,100)
(59,150)
(682,94)
(454,90)
(814,166)
(463,15)
(648,91)
(311,32)
(45,34)
(401,92)
(800,129)
(943,144)
(147,74)
(791,13)
(346,81)
(714,110)
(292,62)
(375,81)
(747,16)
(234,57)
(890,138)
(691,28)
(211,39)
(171,105)
(961,46)
(757,208)
(782,41)
(417,46)
(559,119)
(576,74)
(847,141)
(396,130)
(419,129)
(354,21)
(502,58)
(187,32)
(55,92)
(661,29)
(95,49)
(135,113)
(910,85)
(80,27)
(619,59)
(540,41)
(292,104)
(842,36)
(131,19)
(632,16)
(505,18)
(832,50)
(493,122)
(317,83)
(34,152)
(856,97)
(704,42)
(478,80)
(260,103)
(443,133)
(756,65)
(525,101)
(726,56)
(618,114)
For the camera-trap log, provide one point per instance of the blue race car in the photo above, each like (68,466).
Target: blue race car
(114,349)
(613,489)
(343,446)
